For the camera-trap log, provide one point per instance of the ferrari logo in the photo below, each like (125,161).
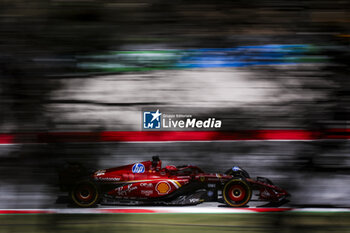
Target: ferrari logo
(202,178)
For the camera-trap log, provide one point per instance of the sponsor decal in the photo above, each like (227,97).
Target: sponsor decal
(123,192)
(218,175)
(107,179)
(100,172)
(211,185)
(163,187)
(192,123)
(151,120)
(138,168)
(210,193)
(154,119)
(146,185)
(147,192)
(194,200)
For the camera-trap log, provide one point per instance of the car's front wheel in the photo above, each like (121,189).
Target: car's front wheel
(237,192)
(85,194)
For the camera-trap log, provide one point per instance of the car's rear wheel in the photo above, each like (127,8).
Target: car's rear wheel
(85,194)
(237,193)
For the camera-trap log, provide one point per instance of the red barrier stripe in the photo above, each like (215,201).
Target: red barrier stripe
(25,212)
(128,211)
(208,135)
(263,210)
(6,138)
(163,136)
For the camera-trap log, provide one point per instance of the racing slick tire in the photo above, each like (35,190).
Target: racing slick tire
(237,192)
(85,194)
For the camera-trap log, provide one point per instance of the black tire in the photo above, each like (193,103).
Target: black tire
(85,194)
(237,192)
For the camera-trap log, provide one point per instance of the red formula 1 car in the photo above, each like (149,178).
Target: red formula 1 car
(147,183)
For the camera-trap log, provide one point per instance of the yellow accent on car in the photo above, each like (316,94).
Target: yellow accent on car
(177,183)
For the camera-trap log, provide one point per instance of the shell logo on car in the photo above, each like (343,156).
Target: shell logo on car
(163,187)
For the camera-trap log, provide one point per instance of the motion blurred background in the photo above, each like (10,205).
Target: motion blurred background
(91,66)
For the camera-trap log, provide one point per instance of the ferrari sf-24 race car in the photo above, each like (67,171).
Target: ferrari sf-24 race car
(147,183)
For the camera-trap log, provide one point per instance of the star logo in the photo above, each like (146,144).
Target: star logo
(156,115)
(152,120)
